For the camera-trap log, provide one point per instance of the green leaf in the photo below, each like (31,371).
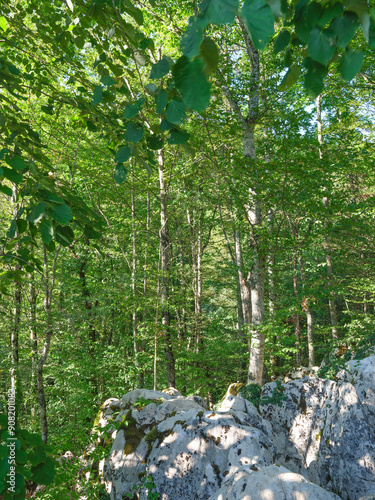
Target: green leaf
(62,214)
(133,109)
(160,69)
(6,190)
(282,41)
(276,7)
(151,88)
(154,142)
(165,125)
(44,473)
(220,11)
(3,23)
(290,78)
(134,132)
(313,84)
(120,173)
(21,225)
(50,196)
(321,46)
(21,456)
(344,28)
(178,137)
(191,41)
(108,80)
(330,12)
(47,109)
(350,64)
(64,235)
(37,212)
(11,175)
(91,233)
(259,21)
(146,166)
(97,96)
(46,231)
(17,163)
(12,229)
(161,99)
(176,112)
(192,84)
(123,154)
(210,54)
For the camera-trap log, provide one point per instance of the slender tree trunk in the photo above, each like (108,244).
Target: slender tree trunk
(33,341)
(327,242)
(297,319)
(134,292)
(164,285)
(309,319)
(48,290)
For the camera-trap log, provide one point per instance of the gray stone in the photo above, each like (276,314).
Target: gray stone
(189,454)
(270,483)
(322,432)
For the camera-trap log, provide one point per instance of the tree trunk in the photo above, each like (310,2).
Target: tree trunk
(327,240)
(307,309)
(164,283)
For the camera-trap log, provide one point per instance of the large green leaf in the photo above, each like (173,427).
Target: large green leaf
(176,112)
(191,41)
(345,27)
(133,109)
(351,63)
(134,132)
(290,78)
(281,41)
(17,163)
(36,213)
(178,137)
(123,154)
(44,473)
(192,84)
(259,21)
(154,142)
(161,99)
(210,54)
(120,173)
(62,214)
(321,46)
(160,69)
(12,175)
(46,231)
(219,11)
(97,95)
(64,235)
(6,190)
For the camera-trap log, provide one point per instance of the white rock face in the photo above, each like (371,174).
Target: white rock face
(362,375)
(270,483)
(321,431)
(188,451)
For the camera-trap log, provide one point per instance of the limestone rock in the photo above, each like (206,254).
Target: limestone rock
(171,391)
(361,373)
(131,397)
(189,454)
(270,483)
(322,432)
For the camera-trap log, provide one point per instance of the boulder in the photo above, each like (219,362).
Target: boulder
(188,451)
(361,373)
(321,431)
(270,483)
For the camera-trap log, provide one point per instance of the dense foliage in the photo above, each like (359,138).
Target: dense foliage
(183,188)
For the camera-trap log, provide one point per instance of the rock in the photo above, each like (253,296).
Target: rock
(67,457)
(189,454)
(301,371)
(199,400)
(368,497)
(171,391)
(270,483)
(321,432)
(131,397)
(361,373)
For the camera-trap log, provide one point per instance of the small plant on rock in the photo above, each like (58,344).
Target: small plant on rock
(277,396)
(251,392)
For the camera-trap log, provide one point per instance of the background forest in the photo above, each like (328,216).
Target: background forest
(177,193)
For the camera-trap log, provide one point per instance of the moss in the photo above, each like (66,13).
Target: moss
(233,389)
(319,435)
(133,435)
(217,472)
(302,405)
(173,413)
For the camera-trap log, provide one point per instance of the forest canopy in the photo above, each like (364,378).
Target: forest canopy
(186,198)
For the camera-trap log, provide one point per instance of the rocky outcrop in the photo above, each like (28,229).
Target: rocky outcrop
(188,451)
(322,432)
(270,483)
